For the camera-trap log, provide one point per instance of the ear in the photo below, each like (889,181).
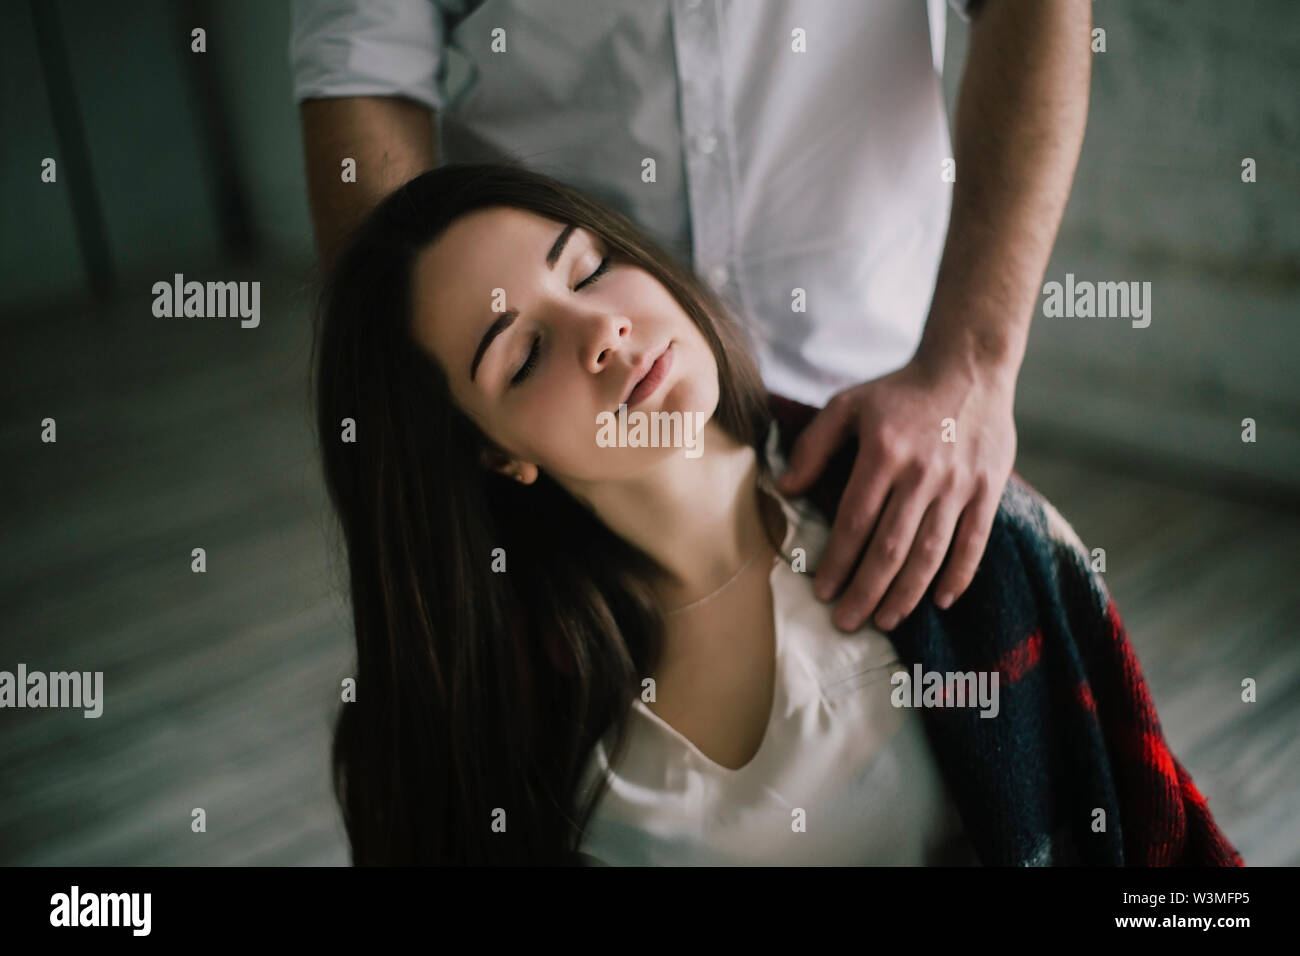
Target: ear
(524,472)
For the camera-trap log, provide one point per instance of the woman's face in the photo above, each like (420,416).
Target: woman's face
(538,337)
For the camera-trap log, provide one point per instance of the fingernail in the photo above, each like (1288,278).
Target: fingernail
(846,622)
(888,621)
(944,599)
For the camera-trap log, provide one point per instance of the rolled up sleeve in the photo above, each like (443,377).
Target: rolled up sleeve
(367,48)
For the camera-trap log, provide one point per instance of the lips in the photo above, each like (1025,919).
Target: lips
(657,373)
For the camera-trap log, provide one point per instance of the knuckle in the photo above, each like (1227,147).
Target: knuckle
(891,548)
(978,537)
(932,547)
(966,554)
(960,574)
(857,523)
(907,593)
(881,447)
(962,563)
(888,432)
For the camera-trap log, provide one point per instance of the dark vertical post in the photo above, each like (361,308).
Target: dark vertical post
(226,188)
(74,165)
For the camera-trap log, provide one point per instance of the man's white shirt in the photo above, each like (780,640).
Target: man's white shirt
(798,146)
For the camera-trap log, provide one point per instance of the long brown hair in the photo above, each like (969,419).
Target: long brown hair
(480,695)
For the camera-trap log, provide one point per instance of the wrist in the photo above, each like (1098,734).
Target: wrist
(978,358)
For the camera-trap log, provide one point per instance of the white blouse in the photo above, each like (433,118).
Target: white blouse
(842,777)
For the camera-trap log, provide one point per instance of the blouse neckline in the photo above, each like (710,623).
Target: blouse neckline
(793,522)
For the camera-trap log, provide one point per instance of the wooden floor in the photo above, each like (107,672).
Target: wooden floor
(220,687)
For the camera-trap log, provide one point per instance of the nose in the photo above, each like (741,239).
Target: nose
(604,339)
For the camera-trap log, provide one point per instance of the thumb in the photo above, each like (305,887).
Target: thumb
(814,447)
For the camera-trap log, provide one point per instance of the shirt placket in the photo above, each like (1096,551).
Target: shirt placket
(697,41)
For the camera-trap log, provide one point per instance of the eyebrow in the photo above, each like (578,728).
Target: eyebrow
(508,317)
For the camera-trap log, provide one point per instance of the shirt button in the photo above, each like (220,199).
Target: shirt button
(718,276)
(706,143)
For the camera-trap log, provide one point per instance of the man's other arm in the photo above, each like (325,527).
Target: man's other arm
(390,137)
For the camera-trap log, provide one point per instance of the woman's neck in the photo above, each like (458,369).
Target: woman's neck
(700,518)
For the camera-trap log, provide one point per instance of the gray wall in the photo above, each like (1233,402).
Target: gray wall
(149,163)
(1183,92)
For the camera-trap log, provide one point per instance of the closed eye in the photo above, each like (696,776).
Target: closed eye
(530,362)
(600,271)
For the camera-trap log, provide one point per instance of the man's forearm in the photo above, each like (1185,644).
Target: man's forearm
(392,141)
(1021,114)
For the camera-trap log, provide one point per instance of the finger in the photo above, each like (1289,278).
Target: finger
(860,505)
(890,544)
(815,445)
(927,554)
(968,547)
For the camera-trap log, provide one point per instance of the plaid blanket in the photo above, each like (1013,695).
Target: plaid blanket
(1074,768)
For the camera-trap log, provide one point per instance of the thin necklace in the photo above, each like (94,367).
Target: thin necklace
(710,596)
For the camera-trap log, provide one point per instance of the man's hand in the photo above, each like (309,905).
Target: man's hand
(1020,119)
(911,492)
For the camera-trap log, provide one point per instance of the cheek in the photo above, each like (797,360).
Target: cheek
(653,299)
(548,425)
(699,367)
